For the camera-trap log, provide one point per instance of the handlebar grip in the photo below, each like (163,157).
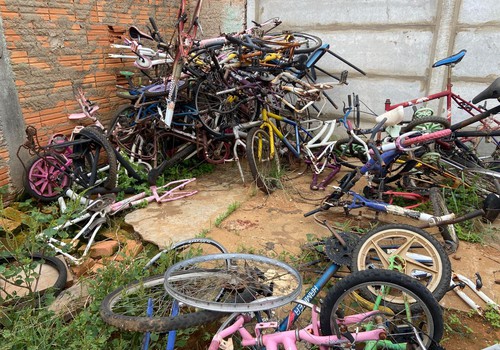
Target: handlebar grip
(314,211)
(427,137)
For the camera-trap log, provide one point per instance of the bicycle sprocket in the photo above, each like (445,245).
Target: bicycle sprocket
(339,254)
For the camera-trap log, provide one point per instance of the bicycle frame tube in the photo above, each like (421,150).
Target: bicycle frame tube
(273,130)
(360,201)
(310,295)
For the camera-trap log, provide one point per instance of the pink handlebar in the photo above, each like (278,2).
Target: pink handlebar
(427,137)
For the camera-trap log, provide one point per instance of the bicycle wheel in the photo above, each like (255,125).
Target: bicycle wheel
(345,312)
(447,231)
(264,164)
(219,113)
(94,160)
(308,43)
(47,176)
(126,308)
(187,249)
(219,282)
(121,128)
(410,248)
(427,124)
(30,276)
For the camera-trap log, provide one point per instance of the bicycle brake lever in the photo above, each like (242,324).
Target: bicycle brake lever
(479,281)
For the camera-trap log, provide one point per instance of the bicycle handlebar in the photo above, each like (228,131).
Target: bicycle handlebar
(468,216)
(480,116)
(424,138)
(248,43)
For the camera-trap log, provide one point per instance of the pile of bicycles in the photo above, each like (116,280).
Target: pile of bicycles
(259,91)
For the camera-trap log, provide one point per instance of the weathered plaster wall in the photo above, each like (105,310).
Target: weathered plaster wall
(397,41)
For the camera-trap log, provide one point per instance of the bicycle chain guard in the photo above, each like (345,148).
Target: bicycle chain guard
(339,254)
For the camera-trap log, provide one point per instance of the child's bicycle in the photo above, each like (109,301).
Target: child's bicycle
(372,309)
(86,159)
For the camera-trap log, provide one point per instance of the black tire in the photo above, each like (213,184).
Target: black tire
(121,127)
(385,242)
(181,154)
(57,286)
(89,158)
(341,301)
(447,231)
(47,176)
(219,113)
(187,249)
(429,124)
(355,149)
(265,169)
(135,320)
(309,42)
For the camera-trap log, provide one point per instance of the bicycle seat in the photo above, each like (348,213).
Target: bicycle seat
(455,58)
(136,34)
(492,91)
(394,116)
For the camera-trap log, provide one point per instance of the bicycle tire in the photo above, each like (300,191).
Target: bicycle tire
(57,286)
(310,43)
(217,282)
(355,149)
(135,319)
(121,127)
(447,231)
(429,124)
(188,244)
(89,156)
(424,259)
(265,169)
(424,314)
(219,113)
(170,162)
(46,177)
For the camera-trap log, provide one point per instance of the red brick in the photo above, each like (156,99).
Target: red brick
(104,248)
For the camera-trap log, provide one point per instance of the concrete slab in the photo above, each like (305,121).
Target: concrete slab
(170,222)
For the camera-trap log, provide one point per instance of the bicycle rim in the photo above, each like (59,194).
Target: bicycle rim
(221,282)
(423,317)
(46,177)
(409,248)
(264,162)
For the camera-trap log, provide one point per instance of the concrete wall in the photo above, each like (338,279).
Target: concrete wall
(396,42)
(50,47)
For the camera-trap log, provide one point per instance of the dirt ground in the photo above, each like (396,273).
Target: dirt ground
(275,224)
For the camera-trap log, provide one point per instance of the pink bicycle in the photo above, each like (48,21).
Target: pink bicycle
(85,159)
(369,309)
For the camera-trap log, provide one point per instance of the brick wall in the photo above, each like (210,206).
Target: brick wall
(54,46)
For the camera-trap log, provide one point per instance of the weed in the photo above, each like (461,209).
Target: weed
(492,316)
(231,209)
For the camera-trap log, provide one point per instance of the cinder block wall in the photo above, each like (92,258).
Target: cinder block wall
(47,48)
(396,43)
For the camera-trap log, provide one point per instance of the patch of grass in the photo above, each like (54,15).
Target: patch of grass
(231,209)
(492,316)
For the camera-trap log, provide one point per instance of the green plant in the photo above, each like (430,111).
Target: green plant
(492,315)
(231,209)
